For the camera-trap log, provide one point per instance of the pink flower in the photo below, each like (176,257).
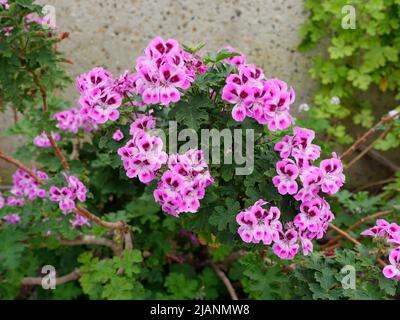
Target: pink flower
(273,226)
(311,178)
(285,181)
(302,144)
(118,135)
(12,218)
(143,155)
(71,120)
(194,64)
(278,113)
(101,96)
(332,172)
(79,221)
(7,31)
(162,71)
(126,83)
(2,201)
(142,122)
(267,101)
(393,270)
(183,186)
(77,188)
(284,147)
(5,4)
(26,186)
(306,243)
(383,228)
(64,197)
(257,224)
(43,141)
(15,202)
(309,216)
(286,247)
(236,60)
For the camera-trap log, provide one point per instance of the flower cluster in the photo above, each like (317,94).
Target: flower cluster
(391,233)
(26,187)
(12,218)
(2,201)
(236,60)
(100,96)
(71,120)
(39,20)
(142,156)
(183,185)
(257,224)
(118,135)
(194,64)
(7,31)
(297,176)
(79,221)
(267,101)
(163,70)
(5,4)
(66,196)
(43,140)
(328,177)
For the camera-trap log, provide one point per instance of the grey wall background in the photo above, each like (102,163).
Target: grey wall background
(112,33)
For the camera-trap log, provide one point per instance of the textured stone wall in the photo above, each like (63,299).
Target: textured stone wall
(113,33)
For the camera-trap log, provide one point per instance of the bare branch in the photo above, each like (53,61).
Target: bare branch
(33,281)
(225,280)
(20,165)
(368,134)
(345,234)
(357,224)
(88,239)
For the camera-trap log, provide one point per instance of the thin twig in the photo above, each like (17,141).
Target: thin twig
(110,225)
(89,239)
(15,114)
(357,224)
(225,280)
(381,159)
(376,183)
(42,89)
(58,152)
(367,149)
(234,256)
(43,92)
(33,281)
(20,165)
(345,234)
(128,239)
(368,134)
(78,209)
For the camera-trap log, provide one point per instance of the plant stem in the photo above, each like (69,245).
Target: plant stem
(368,134)
(32,281)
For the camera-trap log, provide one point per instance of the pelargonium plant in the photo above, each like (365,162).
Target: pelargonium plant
(192,158)
(165,75)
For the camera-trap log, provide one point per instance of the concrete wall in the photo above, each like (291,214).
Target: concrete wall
(113,33)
